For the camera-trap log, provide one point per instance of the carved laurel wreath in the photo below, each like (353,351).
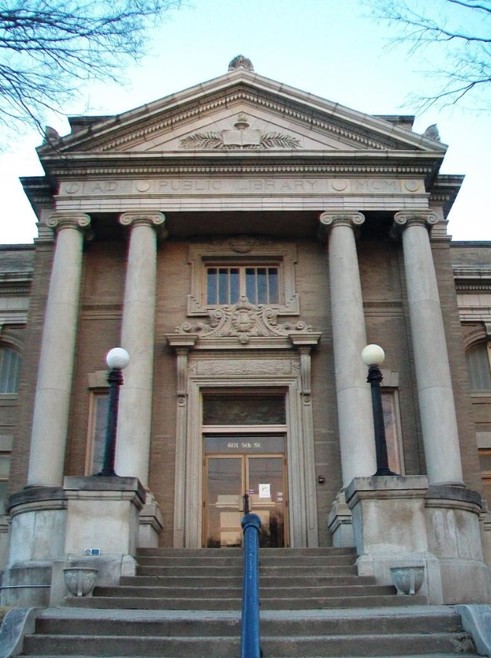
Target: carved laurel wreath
(213,140)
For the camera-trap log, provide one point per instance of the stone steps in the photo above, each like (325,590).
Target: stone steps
(187,603)
(225,647)
(280,592)
(138,603)
(385,632)
(236,581)
(211,579)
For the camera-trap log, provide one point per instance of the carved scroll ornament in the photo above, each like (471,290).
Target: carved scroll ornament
(243,321)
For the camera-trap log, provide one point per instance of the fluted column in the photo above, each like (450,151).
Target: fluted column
(434,383)
(355,419)
(138,338)
(54,383)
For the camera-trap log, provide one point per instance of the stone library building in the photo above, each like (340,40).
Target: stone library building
(243,241)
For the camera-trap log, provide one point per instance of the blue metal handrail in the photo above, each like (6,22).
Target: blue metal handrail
(250,639)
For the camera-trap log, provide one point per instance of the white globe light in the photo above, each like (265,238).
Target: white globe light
(373,355)
(117,358)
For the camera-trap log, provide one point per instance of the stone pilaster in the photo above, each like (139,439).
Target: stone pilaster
(54,382)
(138,338)
(434,384)
(356,433)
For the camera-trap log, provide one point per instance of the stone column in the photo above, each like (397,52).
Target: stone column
(52,401)
(355,419)
(138,337)
(436,400)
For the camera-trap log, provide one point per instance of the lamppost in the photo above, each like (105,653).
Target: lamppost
(117,359)
(373,356)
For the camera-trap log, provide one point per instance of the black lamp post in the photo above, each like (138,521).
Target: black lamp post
(117,359)
(373,356)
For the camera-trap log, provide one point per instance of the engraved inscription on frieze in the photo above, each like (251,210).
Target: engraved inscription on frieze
(241,137)
(204,187)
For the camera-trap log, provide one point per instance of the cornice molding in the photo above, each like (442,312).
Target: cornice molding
(242,92)
(471,280)
(91,168)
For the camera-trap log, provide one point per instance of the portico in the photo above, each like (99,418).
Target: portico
(246,242)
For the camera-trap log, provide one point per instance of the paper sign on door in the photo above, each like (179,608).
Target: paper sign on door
(264,491)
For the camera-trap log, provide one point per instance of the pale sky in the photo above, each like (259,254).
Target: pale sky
(331,48)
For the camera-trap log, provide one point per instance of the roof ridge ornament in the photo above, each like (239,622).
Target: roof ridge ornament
(240,62)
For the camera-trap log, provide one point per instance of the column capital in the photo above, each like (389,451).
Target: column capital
(406,218)
(153,219)
(328,219)
(75,220)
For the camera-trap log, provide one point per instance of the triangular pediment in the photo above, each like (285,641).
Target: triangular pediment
(240,112)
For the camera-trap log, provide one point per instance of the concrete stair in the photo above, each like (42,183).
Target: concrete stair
(211,579)
(187,603)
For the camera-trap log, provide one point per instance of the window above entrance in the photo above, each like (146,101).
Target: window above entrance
(227,285)
(236,409)
(225,272)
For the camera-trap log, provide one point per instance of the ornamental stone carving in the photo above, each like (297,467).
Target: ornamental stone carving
(240,62)
(243,321)
(242,137)
(405,218)
(60,221)
(138,218)
(329,219)
(244,367)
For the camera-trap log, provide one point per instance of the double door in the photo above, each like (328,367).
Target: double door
(227,479)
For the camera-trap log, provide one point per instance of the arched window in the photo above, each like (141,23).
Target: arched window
(9,370)
(479,369)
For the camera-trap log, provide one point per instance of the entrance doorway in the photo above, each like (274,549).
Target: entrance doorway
(247,471)
(244,447)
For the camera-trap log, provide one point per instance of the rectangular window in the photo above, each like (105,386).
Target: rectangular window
(262,285)
(9,370)
(244,410)
(477,358)
(227,284)
(485,461)
(393,435)
(262,271)
(99,401)
(5,452)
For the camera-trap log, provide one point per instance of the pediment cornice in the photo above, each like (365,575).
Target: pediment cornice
(264,164)
(290,110)
(134,130)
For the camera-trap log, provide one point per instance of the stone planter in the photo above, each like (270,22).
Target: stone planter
(408,580)
(80,581)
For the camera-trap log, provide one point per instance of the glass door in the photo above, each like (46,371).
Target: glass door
(223,501)
(266,489)
(227,479)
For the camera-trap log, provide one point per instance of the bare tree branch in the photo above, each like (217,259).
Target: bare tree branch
(48,47)
(462,27)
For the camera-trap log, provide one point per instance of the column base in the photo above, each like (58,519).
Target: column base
(486,537)
(454,536)
(150,523)
(340,523)
(398,521)
(92,521)
(37,536)
(102,515)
